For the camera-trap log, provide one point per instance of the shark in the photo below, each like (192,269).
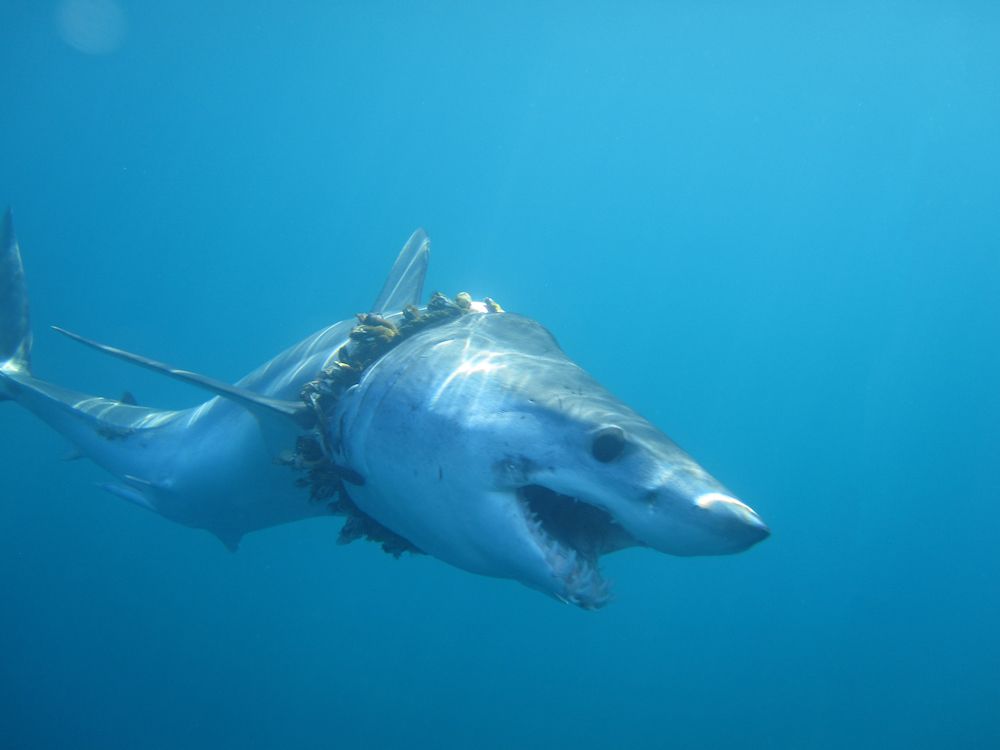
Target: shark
(453,429)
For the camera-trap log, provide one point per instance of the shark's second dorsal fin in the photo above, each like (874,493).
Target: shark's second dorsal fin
(258,404)
(405,283)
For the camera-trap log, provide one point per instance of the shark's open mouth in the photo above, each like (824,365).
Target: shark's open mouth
(574,535)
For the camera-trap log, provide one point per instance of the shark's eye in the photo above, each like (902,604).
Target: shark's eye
(608,444)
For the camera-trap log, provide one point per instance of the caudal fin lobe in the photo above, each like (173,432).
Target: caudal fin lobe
(15,324)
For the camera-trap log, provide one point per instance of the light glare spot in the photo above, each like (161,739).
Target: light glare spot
(709,499)
(94,27)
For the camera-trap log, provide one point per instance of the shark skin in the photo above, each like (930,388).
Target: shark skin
(476,441)
(483,444)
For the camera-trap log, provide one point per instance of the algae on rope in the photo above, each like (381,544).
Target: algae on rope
(370,340)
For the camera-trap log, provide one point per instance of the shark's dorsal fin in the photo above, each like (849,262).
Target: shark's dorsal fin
(405,283)
(254,402)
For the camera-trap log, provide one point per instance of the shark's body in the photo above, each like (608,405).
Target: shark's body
(475,440)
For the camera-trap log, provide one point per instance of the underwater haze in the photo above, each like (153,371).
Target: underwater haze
(770,227)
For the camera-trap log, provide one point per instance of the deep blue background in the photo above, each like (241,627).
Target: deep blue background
(773,229)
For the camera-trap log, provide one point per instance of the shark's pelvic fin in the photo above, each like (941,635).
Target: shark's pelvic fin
(231,539)
(405,283)
(15,326)
(256,403)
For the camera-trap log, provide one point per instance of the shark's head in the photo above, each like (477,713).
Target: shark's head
(485,446)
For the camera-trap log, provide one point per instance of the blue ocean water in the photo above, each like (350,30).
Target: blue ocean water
(770,227)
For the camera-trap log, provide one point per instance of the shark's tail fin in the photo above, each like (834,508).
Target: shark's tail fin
(15,325)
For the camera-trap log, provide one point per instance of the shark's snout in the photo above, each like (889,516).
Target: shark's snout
(734,523)
(681,519)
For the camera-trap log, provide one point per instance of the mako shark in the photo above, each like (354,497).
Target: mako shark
(457,430)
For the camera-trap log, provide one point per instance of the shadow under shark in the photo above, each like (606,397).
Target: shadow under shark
(467,434)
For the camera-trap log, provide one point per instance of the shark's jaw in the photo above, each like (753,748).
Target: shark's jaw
(572,535)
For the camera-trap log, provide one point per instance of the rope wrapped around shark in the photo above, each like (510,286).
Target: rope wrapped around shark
(370,340)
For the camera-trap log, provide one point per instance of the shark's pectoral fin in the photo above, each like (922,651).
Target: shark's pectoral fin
(133,495)
(260,405)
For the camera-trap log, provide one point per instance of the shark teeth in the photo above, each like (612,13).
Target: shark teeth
(579,574)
